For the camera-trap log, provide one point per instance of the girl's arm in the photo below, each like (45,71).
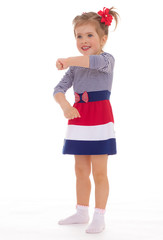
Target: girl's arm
(69,111)
(103,62)
(81,61)
(61,100)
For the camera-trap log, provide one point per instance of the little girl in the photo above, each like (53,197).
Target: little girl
(90,133)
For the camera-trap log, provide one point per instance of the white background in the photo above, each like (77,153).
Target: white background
(37,182)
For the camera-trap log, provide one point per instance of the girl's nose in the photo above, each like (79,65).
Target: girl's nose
(84,40)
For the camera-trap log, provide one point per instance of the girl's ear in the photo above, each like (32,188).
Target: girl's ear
(104,39)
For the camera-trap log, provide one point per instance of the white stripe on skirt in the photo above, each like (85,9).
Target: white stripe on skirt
(90,133)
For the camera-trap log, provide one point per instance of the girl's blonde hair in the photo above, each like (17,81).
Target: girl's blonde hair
(94,18)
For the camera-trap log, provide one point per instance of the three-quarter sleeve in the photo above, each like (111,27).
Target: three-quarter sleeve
(65,83)
(103,62)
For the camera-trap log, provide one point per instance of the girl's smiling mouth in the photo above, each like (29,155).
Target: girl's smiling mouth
(85,48)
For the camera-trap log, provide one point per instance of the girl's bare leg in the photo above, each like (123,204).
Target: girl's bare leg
(99,170)
(83,188)
(83,183)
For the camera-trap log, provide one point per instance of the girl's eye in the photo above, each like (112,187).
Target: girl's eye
(79,36)
(90,35)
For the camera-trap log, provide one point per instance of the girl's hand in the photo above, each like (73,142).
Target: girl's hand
(59,65)
(71,112)
(62,63)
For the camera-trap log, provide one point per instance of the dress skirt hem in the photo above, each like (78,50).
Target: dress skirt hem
(90,147)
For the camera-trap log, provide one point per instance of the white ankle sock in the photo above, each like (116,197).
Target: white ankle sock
(98,224)
(81,216)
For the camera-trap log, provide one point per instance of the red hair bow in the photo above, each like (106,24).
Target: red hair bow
(106,17)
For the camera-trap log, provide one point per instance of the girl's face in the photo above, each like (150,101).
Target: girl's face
(88,41)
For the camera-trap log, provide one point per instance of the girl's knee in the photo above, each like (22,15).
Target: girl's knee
(82,167)
(99,167)
(82,172)
(99,176)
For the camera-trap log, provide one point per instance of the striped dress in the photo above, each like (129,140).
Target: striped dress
(93,133)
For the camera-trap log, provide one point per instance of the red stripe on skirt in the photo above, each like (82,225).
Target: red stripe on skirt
(93,113)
